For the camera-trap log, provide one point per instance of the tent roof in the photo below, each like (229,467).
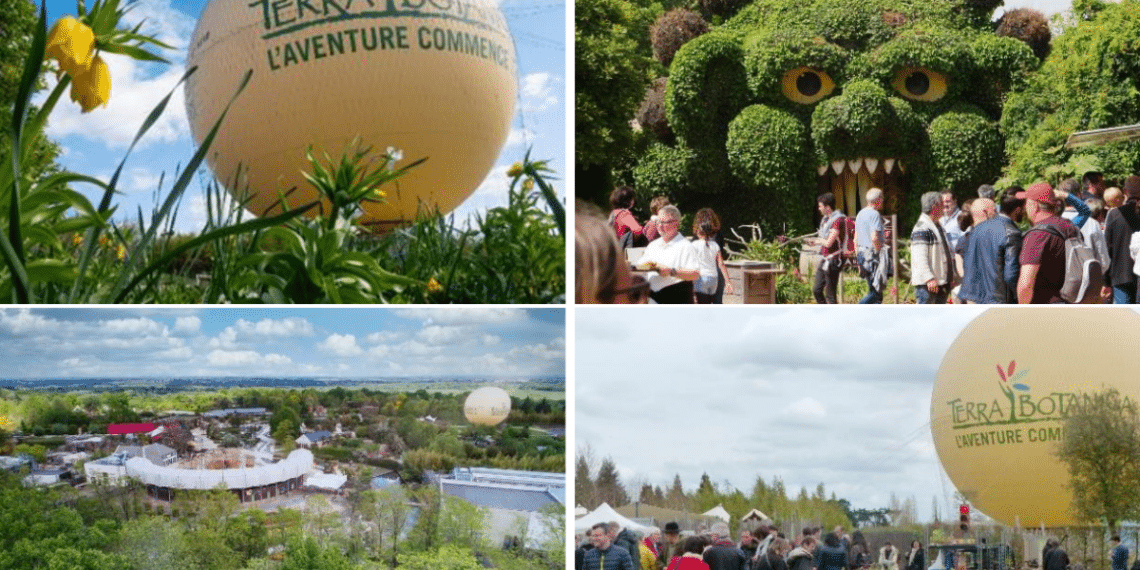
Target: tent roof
(606,513)
(662,515)
(719,512)
(756,514)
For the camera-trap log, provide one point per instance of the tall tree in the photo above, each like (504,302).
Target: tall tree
(610,77)
(675,497)
(610,488)
(585,492)
(1101,446)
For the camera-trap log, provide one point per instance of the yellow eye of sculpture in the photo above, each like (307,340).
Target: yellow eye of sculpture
(806,85)
(918,84)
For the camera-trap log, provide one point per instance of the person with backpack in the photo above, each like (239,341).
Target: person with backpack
(629,232)
(1119,225)
(1047,247)
(931,262)
(832,238)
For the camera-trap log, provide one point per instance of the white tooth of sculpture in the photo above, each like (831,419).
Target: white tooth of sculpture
(837,166)
(872,164)
(822,169)
(855,164)
(888,165)
(902,167)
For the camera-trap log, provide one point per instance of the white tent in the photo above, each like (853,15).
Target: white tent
(604,514)
(580,510)
(719,512)
(755,514)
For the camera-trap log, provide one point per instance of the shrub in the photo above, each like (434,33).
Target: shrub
(672,30)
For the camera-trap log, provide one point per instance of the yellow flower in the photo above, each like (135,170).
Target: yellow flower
(92,88)
(72,44)
(121,253)
(104,241)
(528,184)
(516,169)
(77,240)
(434,285)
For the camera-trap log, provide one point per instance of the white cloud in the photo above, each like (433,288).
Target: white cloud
(382,336)
(463,316)
(143,180)
(138,326)
(490,340)
(536,84)
(244,358)
(341,345)
(179,353)
(244,330)
(441,335)
(187,325)
(518,137)
(291,326)
(22,321)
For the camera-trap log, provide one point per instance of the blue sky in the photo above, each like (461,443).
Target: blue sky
(224,341)
(96,142)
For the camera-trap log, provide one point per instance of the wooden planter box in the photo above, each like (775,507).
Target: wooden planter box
(754,282)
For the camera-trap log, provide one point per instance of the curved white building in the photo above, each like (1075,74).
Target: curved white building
(248,483)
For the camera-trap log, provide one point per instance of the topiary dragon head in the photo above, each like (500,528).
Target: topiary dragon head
(792,98)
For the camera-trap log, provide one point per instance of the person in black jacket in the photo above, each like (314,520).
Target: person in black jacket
(774,558)
(1119,280)
(624,538)
(916,558)
(1055,558)
(803,557)
(831,556)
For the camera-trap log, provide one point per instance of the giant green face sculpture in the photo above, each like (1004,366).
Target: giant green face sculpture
(793,98)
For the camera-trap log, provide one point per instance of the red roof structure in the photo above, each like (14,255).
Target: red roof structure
(124,429)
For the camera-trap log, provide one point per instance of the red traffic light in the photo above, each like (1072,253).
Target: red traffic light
(964,509)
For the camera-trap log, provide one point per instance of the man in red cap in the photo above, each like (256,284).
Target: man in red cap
(1042,251)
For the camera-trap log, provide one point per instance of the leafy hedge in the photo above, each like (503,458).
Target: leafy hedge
(706,89)
(767,147)
(966,149)
(768,56)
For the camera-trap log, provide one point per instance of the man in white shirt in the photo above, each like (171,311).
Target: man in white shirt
(672,262)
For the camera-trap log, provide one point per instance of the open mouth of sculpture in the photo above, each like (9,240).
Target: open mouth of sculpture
(849,181)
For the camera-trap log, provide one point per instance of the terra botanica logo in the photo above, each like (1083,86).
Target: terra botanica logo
(999,420)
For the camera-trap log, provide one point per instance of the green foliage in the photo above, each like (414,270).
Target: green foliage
(769,54)
(707,87)
(609,77)
(308,554)
(447,557)
(1090,80)
(1101,447)
(768,150)
(960,164)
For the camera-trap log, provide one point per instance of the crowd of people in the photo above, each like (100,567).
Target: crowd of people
(1077,248)
(671,268)
(609,547)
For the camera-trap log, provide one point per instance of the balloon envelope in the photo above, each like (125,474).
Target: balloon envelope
(1000,395)
(431,78)
(487,406)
